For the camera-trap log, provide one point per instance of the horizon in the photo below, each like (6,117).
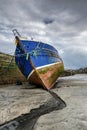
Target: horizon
(62,23)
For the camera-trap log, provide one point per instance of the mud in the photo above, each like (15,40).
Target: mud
(27,121)
(36,109)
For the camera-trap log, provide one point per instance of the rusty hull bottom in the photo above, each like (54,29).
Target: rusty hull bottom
(47,75)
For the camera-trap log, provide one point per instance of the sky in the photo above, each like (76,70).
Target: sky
(61,23)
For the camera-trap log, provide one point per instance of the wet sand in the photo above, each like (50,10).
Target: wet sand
(17,100)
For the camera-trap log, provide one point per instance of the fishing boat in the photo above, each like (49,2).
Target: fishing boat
(39,62)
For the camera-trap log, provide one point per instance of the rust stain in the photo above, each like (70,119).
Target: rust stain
(51,75)
(47,76)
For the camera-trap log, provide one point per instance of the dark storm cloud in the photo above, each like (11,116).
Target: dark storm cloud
(63,23)
(48,21)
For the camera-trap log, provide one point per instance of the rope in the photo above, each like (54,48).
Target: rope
(35,51)
(32,53)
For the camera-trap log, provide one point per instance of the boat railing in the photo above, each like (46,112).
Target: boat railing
(16,33)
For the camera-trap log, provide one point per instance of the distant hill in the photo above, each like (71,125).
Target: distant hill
(73,72)
(9,72)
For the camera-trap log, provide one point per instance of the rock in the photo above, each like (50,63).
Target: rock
(18,82)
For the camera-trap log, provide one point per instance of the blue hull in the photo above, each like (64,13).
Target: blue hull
(37,53)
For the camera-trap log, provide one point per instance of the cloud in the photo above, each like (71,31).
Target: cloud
(48,21)
(76,58)
(62,23)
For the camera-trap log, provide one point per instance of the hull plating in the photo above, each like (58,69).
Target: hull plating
(40,63)
(46,75)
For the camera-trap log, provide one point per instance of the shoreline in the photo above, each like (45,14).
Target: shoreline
(17,100)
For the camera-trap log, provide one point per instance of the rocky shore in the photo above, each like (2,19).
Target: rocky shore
(27,108)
